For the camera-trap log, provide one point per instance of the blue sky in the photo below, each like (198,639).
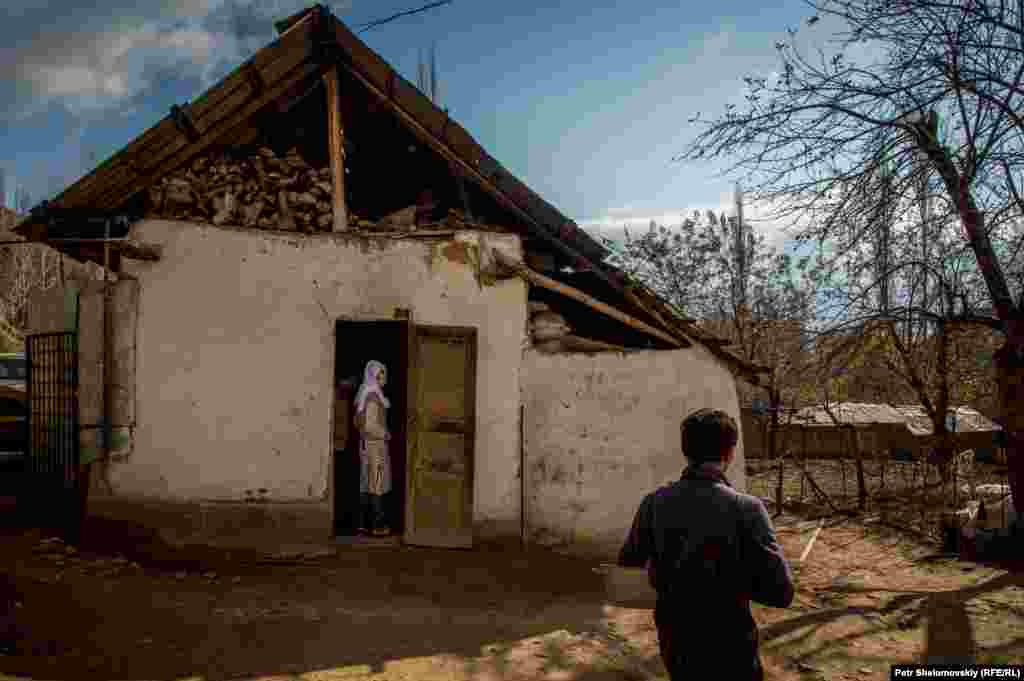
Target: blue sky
(587,102)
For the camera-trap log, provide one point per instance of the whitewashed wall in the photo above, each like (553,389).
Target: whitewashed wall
(235,356)
(602,431)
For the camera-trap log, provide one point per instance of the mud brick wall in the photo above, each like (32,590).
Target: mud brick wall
(602,430)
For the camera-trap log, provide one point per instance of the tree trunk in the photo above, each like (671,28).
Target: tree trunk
(1009,361)
(862,488)
(779,499)
(773,434)
(943,456)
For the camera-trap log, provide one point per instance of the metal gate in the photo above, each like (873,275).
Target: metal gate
(52,468)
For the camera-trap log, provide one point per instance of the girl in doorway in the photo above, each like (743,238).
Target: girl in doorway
(374,460)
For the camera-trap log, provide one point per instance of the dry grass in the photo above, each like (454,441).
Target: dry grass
(895,493)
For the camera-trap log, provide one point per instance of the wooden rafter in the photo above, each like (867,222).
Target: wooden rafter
(539,279)
(336,141)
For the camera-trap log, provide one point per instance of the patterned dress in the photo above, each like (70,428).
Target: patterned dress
(374,460)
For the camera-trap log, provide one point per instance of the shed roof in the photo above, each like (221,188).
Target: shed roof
(913,416)
(968,420)
(850,413)
(311,42)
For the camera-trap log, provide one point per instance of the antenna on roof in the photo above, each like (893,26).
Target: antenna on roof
(426,75)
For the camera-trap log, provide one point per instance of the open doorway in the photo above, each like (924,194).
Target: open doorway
(356,343)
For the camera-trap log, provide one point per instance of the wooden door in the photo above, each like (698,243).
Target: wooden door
(441,435)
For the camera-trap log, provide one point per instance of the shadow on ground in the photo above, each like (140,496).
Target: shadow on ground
(948,634)
(81,614)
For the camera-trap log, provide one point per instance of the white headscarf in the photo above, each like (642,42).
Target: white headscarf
(370,385)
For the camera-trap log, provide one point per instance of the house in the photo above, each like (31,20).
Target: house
(897,430)
(313,211)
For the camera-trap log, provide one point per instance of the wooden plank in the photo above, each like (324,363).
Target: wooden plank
(114,167)
(419,107)
(374,69)
(164,139)
(261,63)
(652,310)
(121,167)
(180,152)
(276,72)
(413,102)
(293,97)
(336,137)
(581,344)
(539,279)
(409,350)
(375,73)
(241,135)
(810,544)
(286,25)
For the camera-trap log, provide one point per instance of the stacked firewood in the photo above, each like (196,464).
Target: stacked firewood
(261,190)
(265,191)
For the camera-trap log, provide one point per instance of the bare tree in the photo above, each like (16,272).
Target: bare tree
(719,271)
(812,142)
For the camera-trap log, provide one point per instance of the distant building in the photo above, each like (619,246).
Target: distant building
(883,428)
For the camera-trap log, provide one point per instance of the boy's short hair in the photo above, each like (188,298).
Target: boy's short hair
(708,435)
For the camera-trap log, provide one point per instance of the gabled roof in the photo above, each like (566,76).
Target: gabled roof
(312,42)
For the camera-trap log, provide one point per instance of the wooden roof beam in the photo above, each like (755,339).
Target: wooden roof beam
(336,144)
(539,279)
(183,122)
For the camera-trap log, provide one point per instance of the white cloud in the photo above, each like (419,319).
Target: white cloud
(118,65)
(192,43)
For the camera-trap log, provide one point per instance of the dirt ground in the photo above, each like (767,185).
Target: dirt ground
(123,607)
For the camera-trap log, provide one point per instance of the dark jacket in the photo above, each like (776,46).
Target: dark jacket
(730,557)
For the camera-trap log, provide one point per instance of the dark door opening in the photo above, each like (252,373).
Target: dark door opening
(356,344)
